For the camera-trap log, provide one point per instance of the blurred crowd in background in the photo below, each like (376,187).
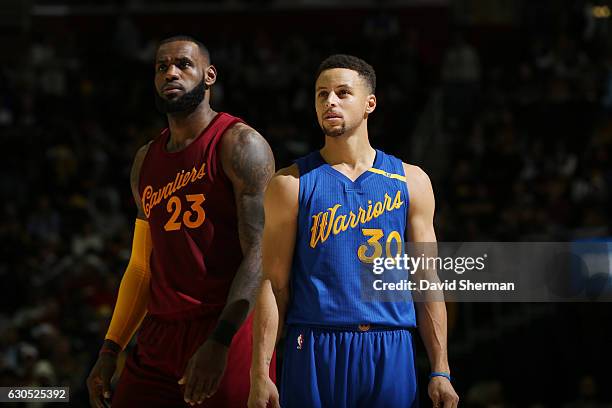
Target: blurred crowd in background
(521,152)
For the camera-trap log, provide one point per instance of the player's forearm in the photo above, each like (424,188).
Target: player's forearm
(131,306)
(431,317)
(133,297)
(431,309)
(242,293)
(265,330)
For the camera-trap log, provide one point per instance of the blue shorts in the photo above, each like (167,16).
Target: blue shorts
(324,367)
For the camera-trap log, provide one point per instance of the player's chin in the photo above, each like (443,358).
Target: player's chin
(335,130)
(171,97)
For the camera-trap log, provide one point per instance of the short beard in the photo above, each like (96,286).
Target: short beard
(184,104)
(335,132)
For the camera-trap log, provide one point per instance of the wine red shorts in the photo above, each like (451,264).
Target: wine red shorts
(164,347)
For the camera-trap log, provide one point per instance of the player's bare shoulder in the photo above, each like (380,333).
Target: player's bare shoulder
(417,179)
(283,190)
(287,178)
(289,174)
(135,176)
(420,189)
(247,158)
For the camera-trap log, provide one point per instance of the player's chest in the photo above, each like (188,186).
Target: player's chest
(176,193)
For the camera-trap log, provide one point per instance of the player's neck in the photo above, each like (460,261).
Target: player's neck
(185,128)
(351,150)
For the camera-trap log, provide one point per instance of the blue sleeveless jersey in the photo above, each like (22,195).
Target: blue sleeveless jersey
(340,223)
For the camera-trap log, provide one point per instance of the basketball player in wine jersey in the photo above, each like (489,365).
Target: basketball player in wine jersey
(325,215)
(195,263)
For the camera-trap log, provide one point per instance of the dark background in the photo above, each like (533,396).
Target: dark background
(506,104)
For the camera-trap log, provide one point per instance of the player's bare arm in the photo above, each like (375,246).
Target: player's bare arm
(281,212)
(431,315)
(249,164)
(135,179)
(125,320)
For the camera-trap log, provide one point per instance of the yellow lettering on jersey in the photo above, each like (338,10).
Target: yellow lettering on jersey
(321,226)
(397,203)
(362,216)
(378,209)
(339,225)
(326,222)
(201,172)
(353,220)
(388,204)
(194,175)
(150,197)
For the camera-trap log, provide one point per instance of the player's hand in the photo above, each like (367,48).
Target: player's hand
(442,393)
(99,380)
(263,393)
(204,372)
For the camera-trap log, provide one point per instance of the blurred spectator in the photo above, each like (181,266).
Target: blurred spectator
(587,395)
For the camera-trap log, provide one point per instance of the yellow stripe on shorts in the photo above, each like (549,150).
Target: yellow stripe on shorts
(389,175)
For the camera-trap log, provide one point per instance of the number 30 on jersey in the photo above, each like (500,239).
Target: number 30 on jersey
(375,247)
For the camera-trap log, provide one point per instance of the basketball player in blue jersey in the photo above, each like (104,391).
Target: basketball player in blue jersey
(341,350)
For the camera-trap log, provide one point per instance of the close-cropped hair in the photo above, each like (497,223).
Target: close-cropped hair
(189,38)
(351,62)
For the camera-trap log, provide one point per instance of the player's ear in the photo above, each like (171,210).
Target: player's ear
(370,103)
(210,75)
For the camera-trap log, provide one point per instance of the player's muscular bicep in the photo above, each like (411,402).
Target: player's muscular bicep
(135,178)
(420,226)
(248,162)
(247,159)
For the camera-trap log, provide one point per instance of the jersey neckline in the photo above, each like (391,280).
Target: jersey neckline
(350,184)
(166,137)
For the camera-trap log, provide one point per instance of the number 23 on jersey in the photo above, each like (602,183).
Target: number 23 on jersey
(191,218)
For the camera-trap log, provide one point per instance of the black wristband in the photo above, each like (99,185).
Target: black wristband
(224,333)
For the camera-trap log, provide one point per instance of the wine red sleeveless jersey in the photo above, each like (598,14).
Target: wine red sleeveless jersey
(190,205)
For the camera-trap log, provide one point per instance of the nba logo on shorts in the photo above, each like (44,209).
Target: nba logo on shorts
(300,341)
